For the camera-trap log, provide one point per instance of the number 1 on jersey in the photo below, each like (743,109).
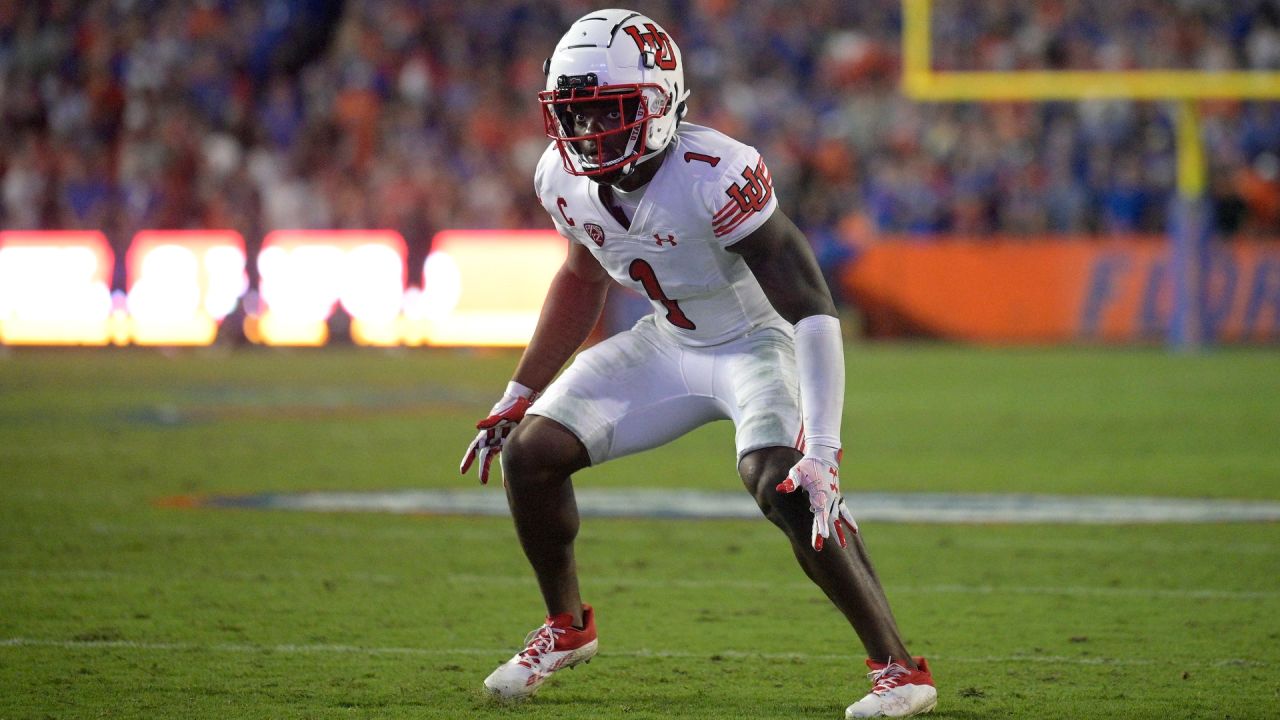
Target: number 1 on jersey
(642,272)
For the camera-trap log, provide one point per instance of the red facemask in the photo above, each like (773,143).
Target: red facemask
(614,138)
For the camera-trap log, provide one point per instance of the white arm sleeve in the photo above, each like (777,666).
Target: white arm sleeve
(820,364)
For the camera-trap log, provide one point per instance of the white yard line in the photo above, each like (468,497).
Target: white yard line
(500,653)
(1072,590)
(872,507)
(701,584)
(622,531)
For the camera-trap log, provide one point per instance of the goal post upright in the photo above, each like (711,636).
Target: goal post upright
(1189,222)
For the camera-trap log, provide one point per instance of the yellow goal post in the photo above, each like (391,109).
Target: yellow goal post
(1184,87)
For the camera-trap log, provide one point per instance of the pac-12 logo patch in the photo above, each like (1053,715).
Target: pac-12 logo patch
(596,232)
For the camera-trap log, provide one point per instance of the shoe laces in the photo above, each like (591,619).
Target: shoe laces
(887,677)
(537,644)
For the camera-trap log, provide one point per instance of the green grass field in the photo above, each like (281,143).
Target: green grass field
(112,605)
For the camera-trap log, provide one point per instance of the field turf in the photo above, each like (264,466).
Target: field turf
(114,604)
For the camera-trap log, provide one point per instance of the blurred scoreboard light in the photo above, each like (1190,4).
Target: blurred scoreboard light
(55,288)
(182,283)
(305,274)
(483,287)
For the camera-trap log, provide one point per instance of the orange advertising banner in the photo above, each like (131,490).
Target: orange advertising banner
(1049,290)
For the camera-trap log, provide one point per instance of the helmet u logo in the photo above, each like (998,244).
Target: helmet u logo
(655,41)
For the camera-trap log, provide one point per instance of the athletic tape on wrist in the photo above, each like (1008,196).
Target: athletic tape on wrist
(515,389)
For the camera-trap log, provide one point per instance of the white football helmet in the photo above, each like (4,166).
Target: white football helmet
(614,56)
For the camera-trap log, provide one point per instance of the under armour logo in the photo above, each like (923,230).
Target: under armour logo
(668,239)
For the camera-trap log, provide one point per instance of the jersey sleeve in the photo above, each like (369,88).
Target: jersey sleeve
(740,198)
(543,187)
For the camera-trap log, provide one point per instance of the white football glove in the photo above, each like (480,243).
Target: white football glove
(818,472)
(495,429)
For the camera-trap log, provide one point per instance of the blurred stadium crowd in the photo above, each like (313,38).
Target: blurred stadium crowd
(421,115)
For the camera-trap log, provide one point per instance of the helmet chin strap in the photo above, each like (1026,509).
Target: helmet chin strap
(680,111)
(642,138)
(628,168)
(642,159)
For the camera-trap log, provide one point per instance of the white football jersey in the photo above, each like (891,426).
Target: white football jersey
(710,192)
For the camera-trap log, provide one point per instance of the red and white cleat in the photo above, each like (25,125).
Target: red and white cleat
(896,691)
(554,646)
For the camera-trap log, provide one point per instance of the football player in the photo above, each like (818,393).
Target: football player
(743,327)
